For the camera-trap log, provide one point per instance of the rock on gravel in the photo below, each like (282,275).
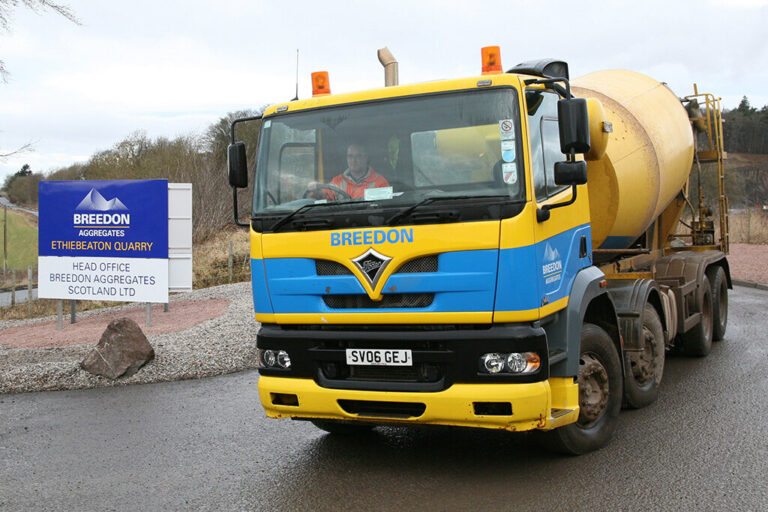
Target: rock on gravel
(122,350)
(224,344)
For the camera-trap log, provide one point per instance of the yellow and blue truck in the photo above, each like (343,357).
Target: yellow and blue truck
(523,264)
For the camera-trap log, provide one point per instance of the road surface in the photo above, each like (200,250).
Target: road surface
(5,202)
(207,445)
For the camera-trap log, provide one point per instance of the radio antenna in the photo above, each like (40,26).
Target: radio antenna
(297,75)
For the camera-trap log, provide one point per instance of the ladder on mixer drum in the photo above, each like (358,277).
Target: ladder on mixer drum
(708,136)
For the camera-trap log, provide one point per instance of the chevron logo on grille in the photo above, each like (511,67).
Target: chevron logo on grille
(372,264)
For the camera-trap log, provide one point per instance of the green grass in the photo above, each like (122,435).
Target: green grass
(21,240)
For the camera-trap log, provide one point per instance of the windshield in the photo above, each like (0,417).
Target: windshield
(392,152)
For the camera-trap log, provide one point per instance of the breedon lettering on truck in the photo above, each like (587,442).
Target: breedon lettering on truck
(499,255)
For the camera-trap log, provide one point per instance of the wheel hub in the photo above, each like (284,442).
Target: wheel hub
(644,363)
(593,388)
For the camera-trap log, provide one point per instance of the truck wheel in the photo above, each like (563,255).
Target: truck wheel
(698,341)
(643,373)
(341,427)
(600,392)
(719,284)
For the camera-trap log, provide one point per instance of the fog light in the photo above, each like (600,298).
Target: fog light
(283,359)
(493,363)
(516,362)
(270,358)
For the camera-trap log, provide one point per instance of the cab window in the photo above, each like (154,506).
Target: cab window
(545,141)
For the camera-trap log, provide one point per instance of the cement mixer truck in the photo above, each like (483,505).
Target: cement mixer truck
(514,250)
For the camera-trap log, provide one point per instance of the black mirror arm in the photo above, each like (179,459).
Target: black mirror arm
(234,209)
(241,120)
(234,189)
(552,83)
(542,213)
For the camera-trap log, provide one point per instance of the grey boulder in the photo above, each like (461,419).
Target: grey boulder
(122,351)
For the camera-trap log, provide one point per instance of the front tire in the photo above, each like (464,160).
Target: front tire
(645,369)
(600,393)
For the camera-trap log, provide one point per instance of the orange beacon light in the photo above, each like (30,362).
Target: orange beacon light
(491,60)
(320,83)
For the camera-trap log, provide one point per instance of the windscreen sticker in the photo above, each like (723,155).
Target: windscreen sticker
(506,129)
(377,194)
(509,172)
(267,123)
(508,150)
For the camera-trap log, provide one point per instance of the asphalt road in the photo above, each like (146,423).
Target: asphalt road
(207,445)
(5,202)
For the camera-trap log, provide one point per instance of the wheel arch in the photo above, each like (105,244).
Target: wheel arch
(588,302)
(630,297)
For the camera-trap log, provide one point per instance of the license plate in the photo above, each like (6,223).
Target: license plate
(379,357)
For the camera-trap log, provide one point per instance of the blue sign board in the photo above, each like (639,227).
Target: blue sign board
(113,219)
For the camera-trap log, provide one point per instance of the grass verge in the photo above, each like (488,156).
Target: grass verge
(21,239)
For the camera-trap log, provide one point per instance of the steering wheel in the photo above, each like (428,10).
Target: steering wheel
(333,188)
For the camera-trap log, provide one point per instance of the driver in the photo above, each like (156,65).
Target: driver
(357,177)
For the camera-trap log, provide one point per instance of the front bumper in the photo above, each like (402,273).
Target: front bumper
(441,358)
(536,405)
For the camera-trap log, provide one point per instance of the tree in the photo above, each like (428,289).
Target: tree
(6,13)
(744,106)
(24,171)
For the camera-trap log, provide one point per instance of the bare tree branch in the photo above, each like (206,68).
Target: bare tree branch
(23,149)
(39,6)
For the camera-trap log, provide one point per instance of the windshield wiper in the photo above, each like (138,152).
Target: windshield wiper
(432,199)
(284,220)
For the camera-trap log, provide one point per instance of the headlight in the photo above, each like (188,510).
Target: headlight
(273,359)
(517,363)
(493,363)
(270,358)
(283,359)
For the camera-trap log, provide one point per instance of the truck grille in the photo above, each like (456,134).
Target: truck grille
(379,409)
(422,264)
(389,300)
(331,268)
(419,372)
(384,373)
(428,372)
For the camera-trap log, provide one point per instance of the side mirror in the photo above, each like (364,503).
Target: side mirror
(238,165)
(571,173)
(574,125)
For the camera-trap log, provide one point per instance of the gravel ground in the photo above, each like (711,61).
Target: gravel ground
(749,262)
(223,344)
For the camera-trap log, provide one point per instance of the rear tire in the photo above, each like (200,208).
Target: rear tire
(719,284)
(600,393)
(698,341)
(645,369)
(340,427)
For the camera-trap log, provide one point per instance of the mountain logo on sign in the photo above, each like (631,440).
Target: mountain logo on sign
(112,213)
(94,201)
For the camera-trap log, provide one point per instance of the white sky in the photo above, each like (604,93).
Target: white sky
(172,68)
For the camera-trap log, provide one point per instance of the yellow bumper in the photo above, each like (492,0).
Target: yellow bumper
(532,404)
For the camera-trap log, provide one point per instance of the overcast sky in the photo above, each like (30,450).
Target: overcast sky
(172,68)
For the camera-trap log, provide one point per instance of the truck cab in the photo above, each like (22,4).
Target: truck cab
(422,254)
